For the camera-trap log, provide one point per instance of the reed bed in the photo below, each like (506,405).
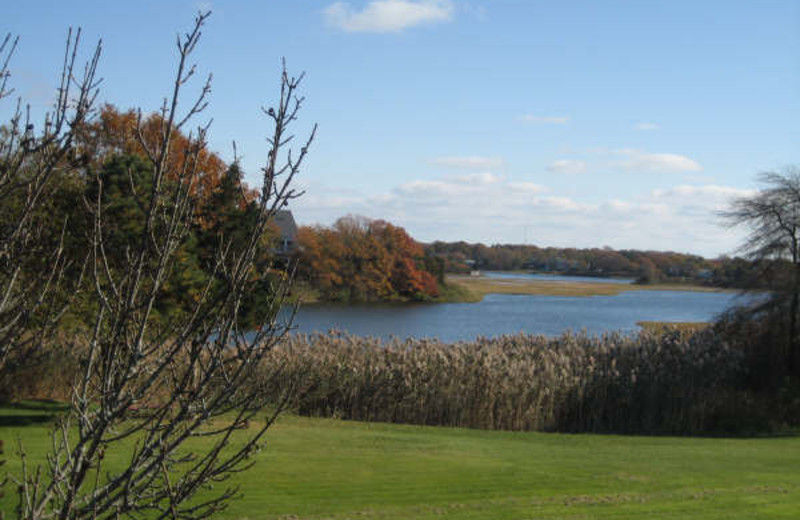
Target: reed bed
(679,381)
(673,383)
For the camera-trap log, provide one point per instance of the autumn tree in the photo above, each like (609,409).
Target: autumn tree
(130,132)
(408,276)
(358,259)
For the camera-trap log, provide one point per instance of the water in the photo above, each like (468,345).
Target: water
(508,314)
(555,277)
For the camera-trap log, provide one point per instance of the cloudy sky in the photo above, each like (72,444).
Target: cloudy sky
(555,123)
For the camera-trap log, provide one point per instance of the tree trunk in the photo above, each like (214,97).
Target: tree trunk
(793,363)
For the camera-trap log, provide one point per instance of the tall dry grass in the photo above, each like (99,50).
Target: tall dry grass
(675,383)
(678,382)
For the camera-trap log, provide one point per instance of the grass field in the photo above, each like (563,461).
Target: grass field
(483,285)
(323,468)
(466,289)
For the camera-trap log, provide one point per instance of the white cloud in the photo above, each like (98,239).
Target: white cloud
(386,16)
(699,201)
(712,190)
(568,166)
(618,206)
(486,208)
(657,162)
(470,162)
(527,187)
(531,118)
(474,183)
(478,179)
(645,127)
(562,204)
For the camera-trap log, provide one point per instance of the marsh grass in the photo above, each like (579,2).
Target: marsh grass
(680,382)
(663,327)
(682,379)
(482,286)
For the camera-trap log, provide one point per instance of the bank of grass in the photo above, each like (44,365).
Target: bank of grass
(451,292)
(663,327)
(482,286)
(663,383)
(471,289)
(303,292)
(674,383)
(333,469)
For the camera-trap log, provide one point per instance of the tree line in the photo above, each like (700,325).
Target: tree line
(361,260)
(642,266)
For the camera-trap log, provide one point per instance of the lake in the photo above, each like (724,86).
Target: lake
(508,314)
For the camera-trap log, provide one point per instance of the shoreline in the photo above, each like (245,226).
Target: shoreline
(472,289)
(482,285)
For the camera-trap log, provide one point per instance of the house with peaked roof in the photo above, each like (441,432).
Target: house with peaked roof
(287,227)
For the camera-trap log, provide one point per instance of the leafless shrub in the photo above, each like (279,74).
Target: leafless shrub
(190,373)
(33,293)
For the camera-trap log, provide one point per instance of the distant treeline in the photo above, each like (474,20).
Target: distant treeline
(362,260)
(643,266)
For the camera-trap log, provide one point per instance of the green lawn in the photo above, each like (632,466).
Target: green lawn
(321,468)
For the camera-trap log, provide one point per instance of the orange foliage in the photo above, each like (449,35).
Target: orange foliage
(367,260)
(117,132)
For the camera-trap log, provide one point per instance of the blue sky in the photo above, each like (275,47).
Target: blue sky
(559,123)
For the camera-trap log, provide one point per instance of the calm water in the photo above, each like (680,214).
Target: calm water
(507,314)
(556,277)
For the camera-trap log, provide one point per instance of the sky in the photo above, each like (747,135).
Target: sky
(554,123)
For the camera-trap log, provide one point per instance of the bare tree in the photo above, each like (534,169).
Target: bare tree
(152,385)
(30,158)
(773,218)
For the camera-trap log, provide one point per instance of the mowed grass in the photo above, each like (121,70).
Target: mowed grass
(482,285)
(325,468)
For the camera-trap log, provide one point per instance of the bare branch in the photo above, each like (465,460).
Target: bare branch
(153,381)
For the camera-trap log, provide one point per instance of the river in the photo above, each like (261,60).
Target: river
(508,314)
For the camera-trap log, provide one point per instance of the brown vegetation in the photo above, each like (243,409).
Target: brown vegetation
(483,285)
(685,379)
(674,383)
(358,259)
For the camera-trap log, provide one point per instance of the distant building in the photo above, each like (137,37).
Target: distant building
(287,243)
(705,274)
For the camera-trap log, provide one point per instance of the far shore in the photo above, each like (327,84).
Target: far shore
(472,289)
(482,285)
